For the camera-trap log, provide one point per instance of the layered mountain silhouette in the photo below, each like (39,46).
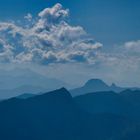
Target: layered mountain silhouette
(9,93)
(95,85)
(57,115)
(17,81)
(126,103)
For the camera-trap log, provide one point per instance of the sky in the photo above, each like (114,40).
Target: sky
(111,21)
(73,40)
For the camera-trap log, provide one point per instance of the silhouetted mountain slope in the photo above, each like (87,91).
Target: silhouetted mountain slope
(116,88)
(56,116)
(95,85)
(126,103)
(9,93)
(14,82)
(26,96)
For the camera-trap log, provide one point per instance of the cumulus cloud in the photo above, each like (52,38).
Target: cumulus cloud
(51,16)
(50,39)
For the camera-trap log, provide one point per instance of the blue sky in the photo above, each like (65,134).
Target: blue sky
(111,21)
(99,38)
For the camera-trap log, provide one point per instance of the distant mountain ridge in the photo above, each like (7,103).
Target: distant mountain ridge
(46,84)
(96,85)
(17,81)
(9,93)
(92,85)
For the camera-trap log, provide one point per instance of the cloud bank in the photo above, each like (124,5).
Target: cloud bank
(46,39)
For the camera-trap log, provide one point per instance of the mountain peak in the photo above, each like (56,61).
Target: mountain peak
(62,92)
(95,85)
(95,82)
(92,85)
(63,89)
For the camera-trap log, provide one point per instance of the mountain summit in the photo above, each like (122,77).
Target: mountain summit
(95,85)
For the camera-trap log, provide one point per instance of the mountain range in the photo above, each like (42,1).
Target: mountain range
(27,81)
(97,85)
(126,103)
(95,111)
(19,81)
(57,115)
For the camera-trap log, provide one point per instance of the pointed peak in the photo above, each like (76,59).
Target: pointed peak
(59,92)
(62,90)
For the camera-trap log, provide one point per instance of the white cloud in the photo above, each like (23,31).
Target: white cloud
(51,39)
(28,17)
(133,46)
(51,16)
